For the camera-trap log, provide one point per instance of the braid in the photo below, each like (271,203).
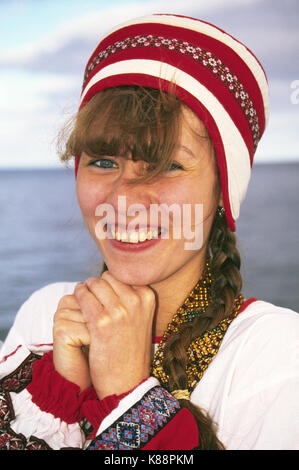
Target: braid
(225,266)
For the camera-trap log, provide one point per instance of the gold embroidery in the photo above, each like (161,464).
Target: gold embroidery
(202,350)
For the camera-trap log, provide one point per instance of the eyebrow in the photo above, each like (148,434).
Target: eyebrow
(105,151)
(101,147)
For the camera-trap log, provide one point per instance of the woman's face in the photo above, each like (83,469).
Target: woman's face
(191,180)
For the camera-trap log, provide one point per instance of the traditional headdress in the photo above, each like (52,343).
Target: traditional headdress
(215,75)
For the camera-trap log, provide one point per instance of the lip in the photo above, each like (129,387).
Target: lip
(134,247)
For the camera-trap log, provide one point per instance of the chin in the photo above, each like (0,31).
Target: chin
(138,276)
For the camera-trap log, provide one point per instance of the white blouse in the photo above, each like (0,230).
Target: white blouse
(250,389)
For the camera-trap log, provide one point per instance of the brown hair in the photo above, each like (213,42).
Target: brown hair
(142,121)
(225,265)
(146,122)
(127,119)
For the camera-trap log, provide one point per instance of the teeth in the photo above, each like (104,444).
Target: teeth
(124,237)
(134,237)
(142,236)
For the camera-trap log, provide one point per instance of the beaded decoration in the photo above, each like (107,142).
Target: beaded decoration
(199,56)
(203,349)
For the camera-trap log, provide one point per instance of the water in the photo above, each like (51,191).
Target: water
(43,238)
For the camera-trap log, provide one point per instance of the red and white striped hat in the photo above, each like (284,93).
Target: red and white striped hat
(215,75)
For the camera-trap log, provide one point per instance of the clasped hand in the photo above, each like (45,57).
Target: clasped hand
(115,321)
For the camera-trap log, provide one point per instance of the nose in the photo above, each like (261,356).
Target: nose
(135,192)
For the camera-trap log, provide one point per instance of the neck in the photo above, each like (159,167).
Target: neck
(171,293)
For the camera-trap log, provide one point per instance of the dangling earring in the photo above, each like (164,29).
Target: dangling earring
(221,211)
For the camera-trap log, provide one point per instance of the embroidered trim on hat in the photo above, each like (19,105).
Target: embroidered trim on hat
(137,426)
(205,58)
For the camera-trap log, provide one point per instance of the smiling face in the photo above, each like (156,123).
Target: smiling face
(191,179)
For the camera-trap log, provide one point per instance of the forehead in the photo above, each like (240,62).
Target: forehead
(190,122)
(193,133)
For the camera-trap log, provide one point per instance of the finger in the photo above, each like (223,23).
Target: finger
(69,314)
(130,296)
(90,305)
(124,291)
(104,292)
(68,301)
(71,333)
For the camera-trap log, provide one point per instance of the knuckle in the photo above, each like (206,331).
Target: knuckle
(64,301)
(62,313)
(148,295)
(118,311)
(92,281)
(79,291)
(60,328)
(101,282)
(59,314)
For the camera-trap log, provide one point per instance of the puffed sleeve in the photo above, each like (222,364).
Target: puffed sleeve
(23,424)
(41,410)
(147,417)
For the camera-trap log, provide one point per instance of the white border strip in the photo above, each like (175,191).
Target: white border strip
(212,31)
(127,402)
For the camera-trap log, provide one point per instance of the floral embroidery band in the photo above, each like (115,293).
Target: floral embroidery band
(137,426)
(205,58)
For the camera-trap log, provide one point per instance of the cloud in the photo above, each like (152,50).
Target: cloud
(67,49)
(281,93)
(40,82)
(270,29)
(280,141)
(33,109)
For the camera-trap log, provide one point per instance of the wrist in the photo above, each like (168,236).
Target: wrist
(95,410)
(116,387)
(71,364)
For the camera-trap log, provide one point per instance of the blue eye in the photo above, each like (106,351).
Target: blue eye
(175,166)
(105,163)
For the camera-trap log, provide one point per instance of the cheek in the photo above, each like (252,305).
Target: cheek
(89,196)
(173,192)
(192,191)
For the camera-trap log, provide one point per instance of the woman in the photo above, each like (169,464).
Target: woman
(161,351)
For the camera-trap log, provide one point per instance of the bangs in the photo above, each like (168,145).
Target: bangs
(129,120)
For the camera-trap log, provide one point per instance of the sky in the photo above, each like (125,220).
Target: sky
(45,44)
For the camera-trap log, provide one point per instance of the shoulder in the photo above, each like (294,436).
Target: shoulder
(261,379)
(46,298)
(259,349)
(260,319)
(50,294)
(255,369)
(34,319)
(262,345)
